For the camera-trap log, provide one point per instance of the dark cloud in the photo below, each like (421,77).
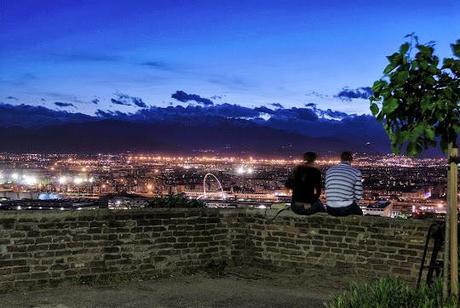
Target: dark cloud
(159,65)
(335,114)
(42,99)
(310,105)
(87,57)
(64,97)
(128,100)
(316,94)
(138,102)
(64,105)
(349,94)
(264,109)
(181,96)
(95,101)
(12,98)
(110,114)
(120,102)
(277,105)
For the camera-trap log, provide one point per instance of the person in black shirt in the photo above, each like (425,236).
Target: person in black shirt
(305,182)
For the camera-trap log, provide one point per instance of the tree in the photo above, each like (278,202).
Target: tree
(418,102)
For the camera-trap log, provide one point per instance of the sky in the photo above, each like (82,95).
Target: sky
(122,55)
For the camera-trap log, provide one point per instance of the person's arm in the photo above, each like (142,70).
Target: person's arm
(359,187)
(326,182)
(318,185)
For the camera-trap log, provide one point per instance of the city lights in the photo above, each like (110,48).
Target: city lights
(29,179)
(78,180)
(404,181)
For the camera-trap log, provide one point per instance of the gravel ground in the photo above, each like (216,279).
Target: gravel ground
(237,287)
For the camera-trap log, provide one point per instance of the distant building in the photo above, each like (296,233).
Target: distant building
(380,208)
(16,195)
(125,201)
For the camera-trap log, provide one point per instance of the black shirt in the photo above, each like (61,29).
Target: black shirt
(305,183)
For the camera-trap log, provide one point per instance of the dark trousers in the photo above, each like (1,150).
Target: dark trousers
(305,208)
(352,209)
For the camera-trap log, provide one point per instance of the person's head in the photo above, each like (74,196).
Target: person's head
(346,157)
(310,157)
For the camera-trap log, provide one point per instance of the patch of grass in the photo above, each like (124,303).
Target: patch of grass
(391,292)
(104,279)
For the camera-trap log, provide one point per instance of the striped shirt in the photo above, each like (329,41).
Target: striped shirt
(343,185)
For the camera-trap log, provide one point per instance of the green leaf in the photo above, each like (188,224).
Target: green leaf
(456,48)
(401,76)
(444,145)
(390,105)
(412,149)
(457,129)
(429,132)
(404,48)
(389,68)
(374,109)
(377,86)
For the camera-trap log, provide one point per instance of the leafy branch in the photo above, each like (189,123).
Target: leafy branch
(417,99)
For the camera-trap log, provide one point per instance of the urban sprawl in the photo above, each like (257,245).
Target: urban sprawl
(394,186)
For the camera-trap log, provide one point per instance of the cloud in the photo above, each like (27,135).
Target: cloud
(87,57)
(127,100)
(181,96)
(138,102)
(111,114)
(230,81)
(159,65)
(12,98)
(20,80)
(120,102)
(317,94)
(95,101)
(348,94)
(64,105)
(333,114)
(277,105)
(264,109)
(64,97)
(310,105)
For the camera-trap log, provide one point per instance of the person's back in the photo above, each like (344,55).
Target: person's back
(305,183)
(344,188)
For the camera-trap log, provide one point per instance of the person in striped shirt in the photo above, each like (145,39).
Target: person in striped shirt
(344,188)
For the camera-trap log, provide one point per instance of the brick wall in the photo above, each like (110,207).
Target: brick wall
(373,246)
(41,249)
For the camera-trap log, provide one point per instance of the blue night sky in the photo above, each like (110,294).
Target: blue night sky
(89,55)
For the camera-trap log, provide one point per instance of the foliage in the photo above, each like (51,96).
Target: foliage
(389,293)
(418,100)
(175,201)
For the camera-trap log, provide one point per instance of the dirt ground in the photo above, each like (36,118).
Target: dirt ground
(237,287)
